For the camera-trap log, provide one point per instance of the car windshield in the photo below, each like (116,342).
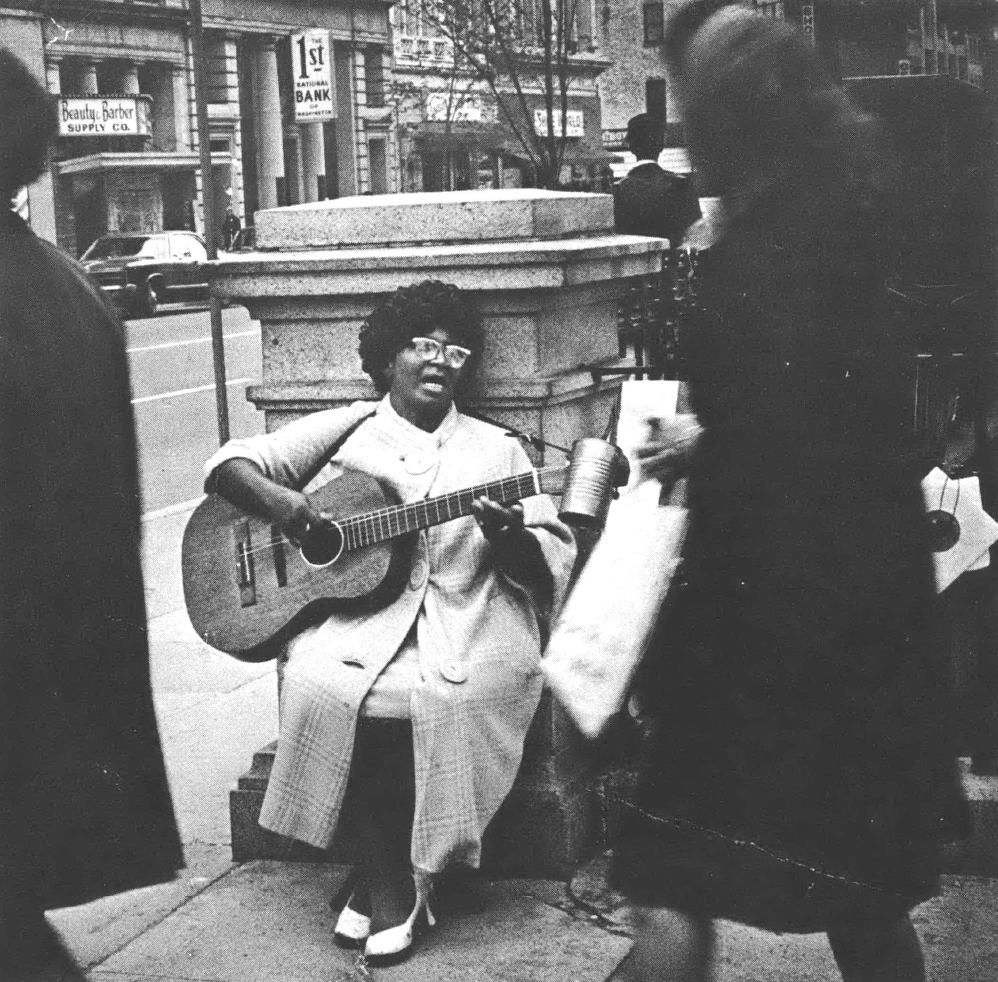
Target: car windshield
(117,248)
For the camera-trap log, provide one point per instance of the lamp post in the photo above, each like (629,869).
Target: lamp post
(208,211)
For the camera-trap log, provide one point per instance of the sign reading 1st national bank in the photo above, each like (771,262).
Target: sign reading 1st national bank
(104,116)
(312,68)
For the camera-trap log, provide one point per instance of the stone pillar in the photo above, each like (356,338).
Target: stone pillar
(129,83)
(181,108)
(269,130)
(359,90)
(546,271)
(313,159)
(53,78)
(88,79)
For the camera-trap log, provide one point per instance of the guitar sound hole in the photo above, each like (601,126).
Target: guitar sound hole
(322,546)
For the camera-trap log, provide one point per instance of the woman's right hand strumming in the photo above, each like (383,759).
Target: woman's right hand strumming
(243,483)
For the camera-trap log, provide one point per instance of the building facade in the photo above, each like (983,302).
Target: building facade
(910,37)
(274,157)
(456,132)
(123,158)
(128,156)
(630,34)
(956,38)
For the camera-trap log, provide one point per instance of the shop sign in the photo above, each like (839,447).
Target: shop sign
(465,108)
(103,116)
(314,85)
(574,124)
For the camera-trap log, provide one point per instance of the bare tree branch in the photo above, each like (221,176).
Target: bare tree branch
(518,49)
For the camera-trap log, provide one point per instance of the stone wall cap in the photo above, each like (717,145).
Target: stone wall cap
(432,218)
(464,254)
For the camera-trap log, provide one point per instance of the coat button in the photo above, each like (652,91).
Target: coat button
(418,575)
(453,671)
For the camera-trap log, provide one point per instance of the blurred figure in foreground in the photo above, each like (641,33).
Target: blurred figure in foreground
(84,803)
(801,775)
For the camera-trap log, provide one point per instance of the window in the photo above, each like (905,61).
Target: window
(655,99)
(654,14)
(374,77)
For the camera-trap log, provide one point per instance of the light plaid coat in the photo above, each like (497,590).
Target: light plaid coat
(477,633)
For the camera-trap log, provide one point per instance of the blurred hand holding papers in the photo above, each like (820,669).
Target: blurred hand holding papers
(604,628)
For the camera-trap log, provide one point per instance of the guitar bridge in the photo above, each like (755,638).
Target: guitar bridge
(245,569)
(277,541)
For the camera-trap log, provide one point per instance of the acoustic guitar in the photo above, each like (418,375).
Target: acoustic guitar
(248,589)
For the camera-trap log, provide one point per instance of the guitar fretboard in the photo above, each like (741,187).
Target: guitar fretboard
(398,520)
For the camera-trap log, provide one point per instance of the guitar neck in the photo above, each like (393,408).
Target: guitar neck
(399,520)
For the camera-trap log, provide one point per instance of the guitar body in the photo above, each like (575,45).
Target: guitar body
(248,590)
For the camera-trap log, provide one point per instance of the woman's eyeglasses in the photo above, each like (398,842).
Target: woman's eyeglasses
(430,350)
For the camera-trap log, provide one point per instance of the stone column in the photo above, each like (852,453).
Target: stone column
(269,130)
(129,83)
(313,159)
(181,108)
(53,79)
(359,90)
(88,79)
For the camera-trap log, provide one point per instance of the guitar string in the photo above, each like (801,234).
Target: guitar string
(377,521)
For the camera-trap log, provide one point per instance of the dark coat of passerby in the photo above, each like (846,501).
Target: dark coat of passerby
(84,803)
(801,774)
(651,200)
(230,228)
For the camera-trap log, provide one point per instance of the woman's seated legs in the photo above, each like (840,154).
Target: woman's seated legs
(377,820)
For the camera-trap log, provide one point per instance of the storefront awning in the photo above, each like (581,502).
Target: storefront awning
(462,133)
(497,136)
(575,153)
(98,163)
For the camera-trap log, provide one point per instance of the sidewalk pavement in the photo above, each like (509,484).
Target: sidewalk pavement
(267,920)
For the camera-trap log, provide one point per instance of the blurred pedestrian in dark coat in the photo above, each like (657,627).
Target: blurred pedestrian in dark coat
(651,200)
(230,228)
(801,775)
(84,804)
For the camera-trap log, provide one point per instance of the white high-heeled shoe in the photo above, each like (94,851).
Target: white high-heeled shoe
(352,926)
(396,940)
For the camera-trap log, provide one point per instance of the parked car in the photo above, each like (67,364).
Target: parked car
(138,272)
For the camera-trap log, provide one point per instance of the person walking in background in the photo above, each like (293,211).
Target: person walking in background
(402,723)
(655,202)
(230,228)
(651,200)
(84,804)
(801,774)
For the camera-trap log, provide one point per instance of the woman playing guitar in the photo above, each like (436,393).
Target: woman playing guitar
(402,723)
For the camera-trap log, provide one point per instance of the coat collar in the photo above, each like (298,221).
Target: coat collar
(419,437)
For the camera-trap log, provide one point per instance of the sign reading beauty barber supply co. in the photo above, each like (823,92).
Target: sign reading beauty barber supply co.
(103,116)
(312,66)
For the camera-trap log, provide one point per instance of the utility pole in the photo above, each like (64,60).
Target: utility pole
(208,211)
